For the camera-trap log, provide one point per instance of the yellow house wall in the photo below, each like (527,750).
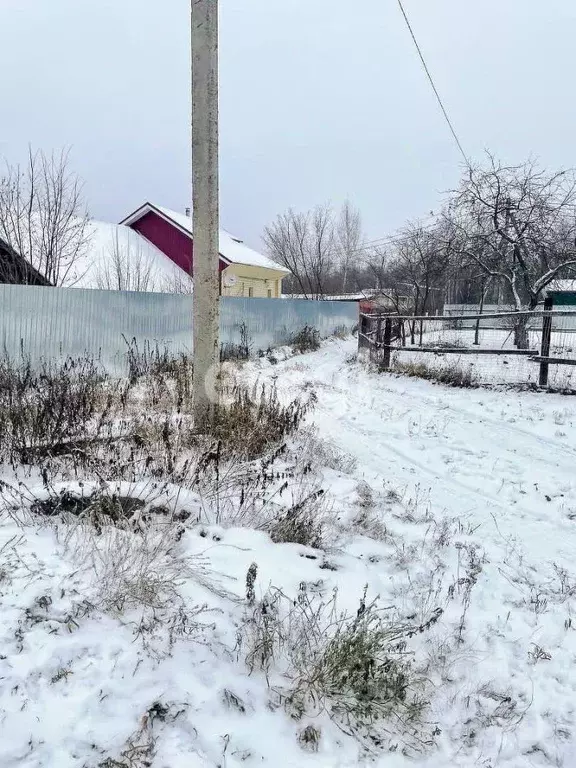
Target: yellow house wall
(260,279)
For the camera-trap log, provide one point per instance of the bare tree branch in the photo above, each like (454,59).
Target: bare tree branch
(43,215)
(518,224)
(126,266)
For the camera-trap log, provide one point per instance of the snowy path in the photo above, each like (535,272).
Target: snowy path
(490,456)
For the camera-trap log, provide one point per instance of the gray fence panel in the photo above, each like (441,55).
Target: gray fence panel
(49,323)
(272,322)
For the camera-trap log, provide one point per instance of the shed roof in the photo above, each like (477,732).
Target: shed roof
(562,285)
(14,268)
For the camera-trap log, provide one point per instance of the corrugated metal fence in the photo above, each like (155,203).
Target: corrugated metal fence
(49,323)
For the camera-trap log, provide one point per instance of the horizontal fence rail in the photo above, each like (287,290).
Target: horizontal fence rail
(554,360)
(459,350)
(54,323)
(488,316)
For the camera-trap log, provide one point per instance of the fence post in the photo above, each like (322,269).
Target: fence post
(375,340)
(362,331)
(546,336)
(387,341)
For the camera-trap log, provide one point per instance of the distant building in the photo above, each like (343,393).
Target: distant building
(562,293)
(243,271)
(119,259)
(564,286)
(370,300)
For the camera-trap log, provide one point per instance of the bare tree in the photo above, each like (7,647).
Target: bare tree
(179,282)
(348,235)
(304,243)
(377,265)
(43,215)
(518,225)
(126,266)
(420,264)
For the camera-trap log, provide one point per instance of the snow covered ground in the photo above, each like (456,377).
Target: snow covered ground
(436,498)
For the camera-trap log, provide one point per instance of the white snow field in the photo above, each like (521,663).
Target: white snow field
(456,507)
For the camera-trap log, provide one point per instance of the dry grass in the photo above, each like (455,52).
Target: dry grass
(449,375)
(51,409)
(355,667)
(252,422)
(325,453)
(302,523)
(306,340)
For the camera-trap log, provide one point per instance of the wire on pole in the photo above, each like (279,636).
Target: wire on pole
(442,107)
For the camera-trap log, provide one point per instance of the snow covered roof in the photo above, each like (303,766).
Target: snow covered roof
(368,294)
(562,285)
(119,258)
(326,296)
(232,249)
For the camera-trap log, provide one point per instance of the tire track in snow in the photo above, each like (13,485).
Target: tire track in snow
(346,414)
(428,407)
(507,428)
(448,492)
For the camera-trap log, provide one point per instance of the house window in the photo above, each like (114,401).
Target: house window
(250,292)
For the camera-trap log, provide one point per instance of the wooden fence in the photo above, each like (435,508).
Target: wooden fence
(385,336)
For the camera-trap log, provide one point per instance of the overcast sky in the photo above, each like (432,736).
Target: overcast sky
(320,99)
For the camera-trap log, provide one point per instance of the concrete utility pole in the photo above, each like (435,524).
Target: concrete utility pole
(206,302)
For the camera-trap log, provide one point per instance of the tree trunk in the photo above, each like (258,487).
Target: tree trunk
(481,309)
(521,332)
(345,279)
(521,335)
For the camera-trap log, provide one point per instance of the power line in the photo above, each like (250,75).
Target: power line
(444,112)
(389,240)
